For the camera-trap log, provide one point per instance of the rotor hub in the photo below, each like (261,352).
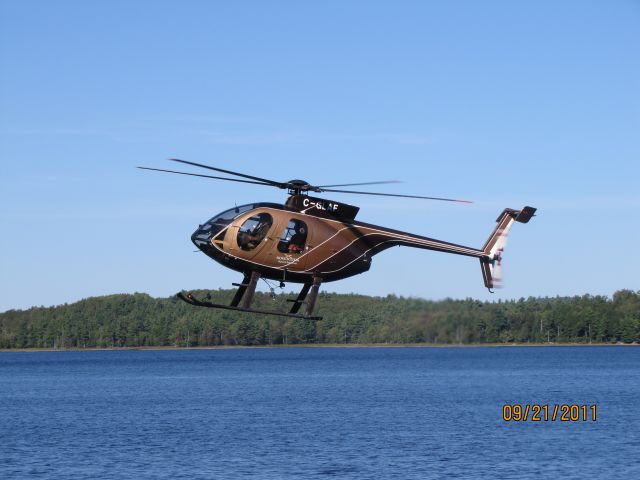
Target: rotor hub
(297,186)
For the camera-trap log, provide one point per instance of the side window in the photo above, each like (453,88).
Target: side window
(294,237)
(253,231)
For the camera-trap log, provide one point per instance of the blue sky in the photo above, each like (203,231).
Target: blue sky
(505,103)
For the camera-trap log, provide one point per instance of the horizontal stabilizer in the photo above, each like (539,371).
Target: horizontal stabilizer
(525,214)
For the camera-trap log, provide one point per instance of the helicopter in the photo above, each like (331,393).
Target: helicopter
(311,240)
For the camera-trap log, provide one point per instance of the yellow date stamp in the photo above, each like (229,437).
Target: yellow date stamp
(534,412)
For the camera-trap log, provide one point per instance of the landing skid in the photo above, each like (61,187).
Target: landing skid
(190,299)
(245,292)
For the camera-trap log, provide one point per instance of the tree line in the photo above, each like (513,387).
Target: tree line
(138,320)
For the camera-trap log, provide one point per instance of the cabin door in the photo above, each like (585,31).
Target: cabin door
(251,237)
(290,247)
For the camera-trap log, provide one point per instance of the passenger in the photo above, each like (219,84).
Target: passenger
(296,244)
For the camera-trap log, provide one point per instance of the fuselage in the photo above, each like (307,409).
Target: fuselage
(302,239)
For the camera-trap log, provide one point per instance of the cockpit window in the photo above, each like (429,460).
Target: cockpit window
(294,237)
(254,230)
(225,218)
(210,230)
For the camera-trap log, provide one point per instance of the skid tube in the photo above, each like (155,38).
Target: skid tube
(191,300)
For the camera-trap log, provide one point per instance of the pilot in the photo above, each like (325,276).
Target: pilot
(250,239)
(258,233)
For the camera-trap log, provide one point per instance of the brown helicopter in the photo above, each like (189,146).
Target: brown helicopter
(311,240)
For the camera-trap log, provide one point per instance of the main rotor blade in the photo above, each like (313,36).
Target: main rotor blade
(206,176)
(396,195)
(263,180)
(363,183)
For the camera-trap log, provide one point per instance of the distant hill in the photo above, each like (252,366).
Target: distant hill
(139,320)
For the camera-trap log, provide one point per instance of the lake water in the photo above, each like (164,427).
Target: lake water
(348,413)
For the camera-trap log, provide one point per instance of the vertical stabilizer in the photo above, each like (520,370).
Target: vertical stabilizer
(490,263)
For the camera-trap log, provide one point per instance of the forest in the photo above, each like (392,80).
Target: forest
(139,320)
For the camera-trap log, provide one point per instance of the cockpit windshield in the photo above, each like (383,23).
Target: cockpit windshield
(223,219)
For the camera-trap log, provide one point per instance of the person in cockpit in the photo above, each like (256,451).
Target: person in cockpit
(253,231)
(296,244)
(257,234)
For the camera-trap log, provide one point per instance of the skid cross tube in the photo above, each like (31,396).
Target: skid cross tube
(251,290)
(297,303)
(311,303)
(242,287)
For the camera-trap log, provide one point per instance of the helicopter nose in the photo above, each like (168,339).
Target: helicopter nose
(202,236)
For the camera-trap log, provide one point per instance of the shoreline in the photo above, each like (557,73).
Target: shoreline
(321,345)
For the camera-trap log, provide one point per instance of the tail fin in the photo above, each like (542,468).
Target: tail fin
(493,248)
